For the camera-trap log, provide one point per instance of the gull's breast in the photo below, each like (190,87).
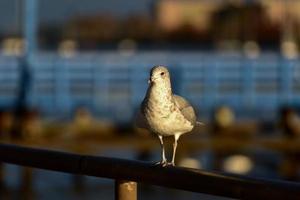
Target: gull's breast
(167,123)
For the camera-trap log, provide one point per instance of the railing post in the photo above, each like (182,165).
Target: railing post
(2,176)
(27,182)
(125,190)
(78,183)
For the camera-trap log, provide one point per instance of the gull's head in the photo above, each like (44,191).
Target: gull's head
(159,74)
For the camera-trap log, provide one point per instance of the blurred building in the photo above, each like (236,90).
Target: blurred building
(180,21)
(279,10)
(173,14)
(93,27)
(267,21)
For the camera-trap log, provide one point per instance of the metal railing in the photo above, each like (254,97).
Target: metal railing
(127,173)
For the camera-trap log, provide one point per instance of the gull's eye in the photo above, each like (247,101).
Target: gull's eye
(162,73)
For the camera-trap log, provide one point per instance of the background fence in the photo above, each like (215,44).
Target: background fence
(109,83)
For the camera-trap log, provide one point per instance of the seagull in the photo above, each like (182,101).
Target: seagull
(165,113)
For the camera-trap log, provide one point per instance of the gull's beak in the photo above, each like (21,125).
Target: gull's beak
(149,81)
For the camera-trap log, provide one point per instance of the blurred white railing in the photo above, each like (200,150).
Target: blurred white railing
(113,85)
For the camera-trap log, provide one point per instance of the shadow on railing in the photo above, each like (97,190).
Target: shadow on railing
(127,173)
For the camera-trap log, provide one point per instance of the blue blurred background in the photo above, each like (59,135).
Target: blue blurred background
(237,53)
(75,72)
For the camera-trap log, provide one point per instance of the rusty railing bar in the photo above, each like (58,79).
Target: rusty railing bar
(173,177)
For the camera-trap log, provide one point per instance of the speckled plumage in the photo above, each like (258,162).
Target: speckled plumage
(164,113)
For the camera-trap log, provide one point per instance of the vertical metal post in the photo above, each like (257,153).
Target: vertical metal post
(29,34)
(27,180)
(30,26)
(78,183)
(125,190)
(2,176)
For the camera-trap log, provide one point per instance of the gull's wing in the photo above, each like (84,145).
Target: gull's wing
(186,109)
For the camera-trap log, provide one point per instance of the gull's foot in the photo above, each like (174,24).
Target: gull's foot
(171,164)
(162,163)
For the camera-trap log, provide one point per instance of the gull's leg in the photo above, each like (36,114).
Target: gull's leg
(163,156)
(176,137)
